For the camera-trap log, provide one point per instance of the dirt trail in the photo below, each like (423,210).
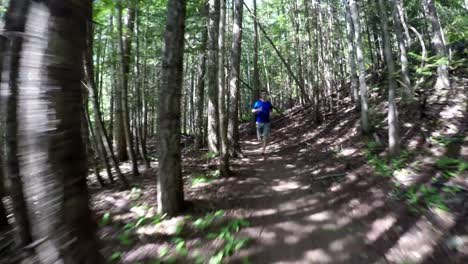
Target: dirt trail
(352,218)
(295,220)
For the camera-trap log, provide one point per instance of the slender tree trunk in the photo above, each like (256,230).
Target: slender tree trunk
(91,145)
(352,57)
(51,154)
(91,85)
(393,142)
(443,81)
(402,16)
(236,48)
(213,118)
(256,70)
(119,133)
(14,22)
(360,62)
(405,75)
(200,90)
(170,185)
(125,51)
(224,151)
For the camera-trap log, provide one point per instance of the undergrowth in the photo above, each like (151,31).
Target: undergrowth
(213,226)
(418,197)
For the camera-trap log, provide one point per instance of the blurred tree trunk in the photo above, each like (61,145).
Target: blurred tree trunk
(351,56)
(15,22)
(405,75)
(170,185)
(51,153)
(438,41)
(234,83)
(362,71)
(393,138)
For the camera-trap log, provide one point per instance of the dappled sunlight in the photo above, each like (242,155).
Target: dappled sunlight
(320,217)
(318,256)
(379,227)
(417,243)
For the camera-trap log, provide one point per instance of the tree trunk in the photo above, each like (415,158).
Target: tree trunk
(213,118)
(91,85)
(256,70)
(352,57)
(443,81)
(405,75)
(224,151)
(393,142)
(200,91)
(360,62)
(51,154)
(234,96)
(14,22)
(170,185)
(104,146)
(125,44)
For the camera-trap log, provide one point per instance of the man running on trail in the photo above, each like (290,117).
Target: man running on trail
(262,109)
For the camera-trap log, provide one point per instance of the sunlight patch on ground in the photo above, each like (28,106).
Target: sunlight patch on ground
(317,256)
(416,244)
(379,227)
(319,217)
(286,186)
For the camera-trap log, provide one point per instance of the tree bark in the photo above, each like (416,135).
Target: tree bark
(170,185)
(14,23)
(393,138)
(213,117)
(360,62)
(351,56)
(125,44)
(102,139)
(51,152)
(200,91)
(405,75)
(234,96)
(443,81)
(223,150)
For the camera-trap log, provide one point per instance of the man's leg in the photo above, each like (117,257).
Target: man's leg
(259,132)
(266,135)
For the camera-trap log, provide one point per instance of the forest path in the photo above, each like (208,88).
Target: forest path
(295,219)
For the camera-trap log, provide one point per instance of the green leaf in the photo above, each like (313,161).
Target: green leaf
(106,219)
(116,256)
(163,252)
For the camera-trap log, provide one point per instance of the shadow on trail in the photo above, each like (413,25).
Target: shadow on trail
(296,218)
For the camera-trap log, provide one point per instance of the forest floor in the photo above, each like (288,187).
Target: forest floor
(322,194)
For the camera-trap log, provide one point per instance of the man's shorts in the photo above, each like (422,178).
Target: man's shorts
(263,129)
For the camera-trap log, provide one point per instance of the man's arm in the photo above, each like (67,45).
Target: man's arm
(256,109)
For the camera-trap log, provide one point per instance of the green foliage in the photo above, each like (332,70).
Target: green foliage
(446,141)
(451,167)
(209,155)
(208,219)
(385,166)
(115,256)
(125,238)
(135,193)
(201,179)
(419,196)
(106,219)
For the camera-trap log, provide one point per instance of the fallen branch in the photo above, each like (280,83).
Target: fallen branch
(325,177)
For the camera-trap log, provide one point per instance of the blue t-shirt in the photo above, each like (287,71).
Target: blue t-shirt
(264,115)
